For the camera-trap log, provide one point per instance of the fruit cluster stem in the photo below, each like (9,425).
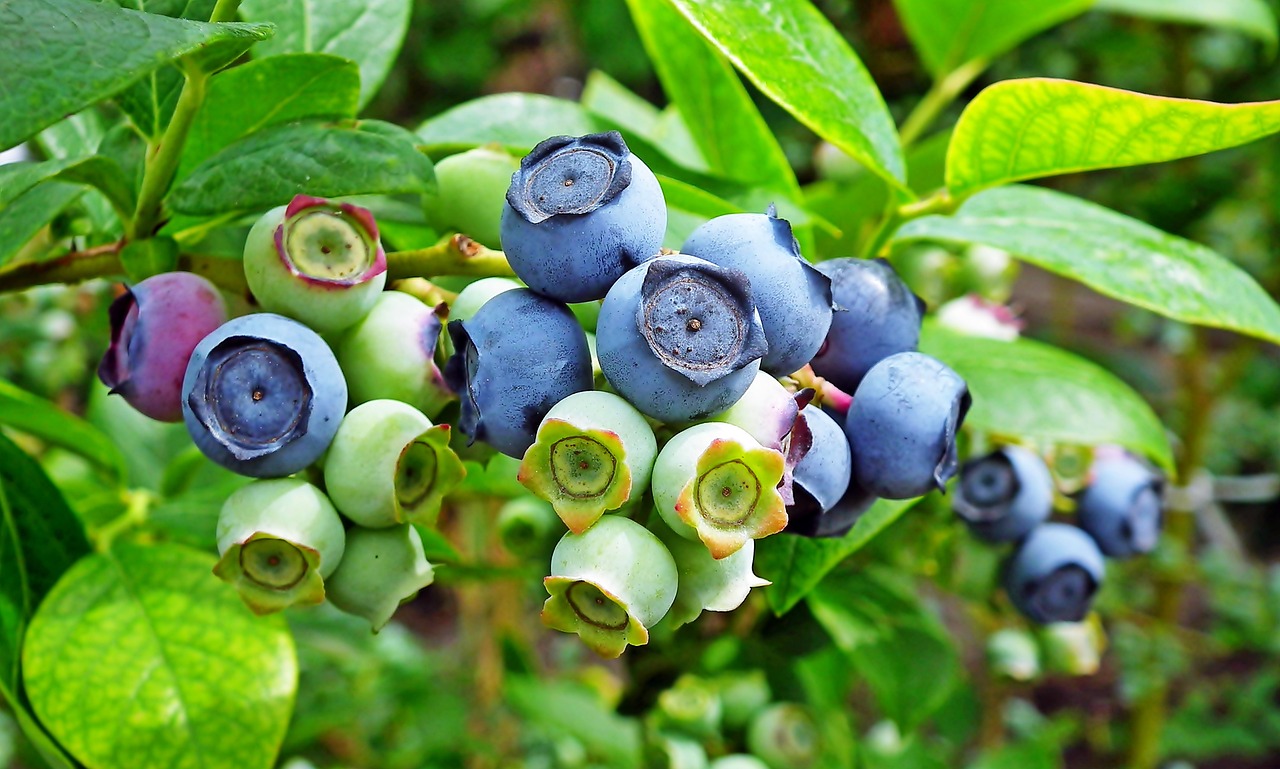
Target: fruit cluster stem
(163,157)
(455,254)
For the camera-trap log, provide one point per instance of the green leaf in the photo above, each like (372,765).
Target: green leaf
(732,134)
(568,709)
(796,58)
(266,92)
(665,129)
(688,207)
(1037,127)
(795,564)
(141,657)
(1112,254)
(150,101)
(517,121)
(1028,389)
(64,55)
(102,173)
(369,32)
(269,167)
(23,218)
(951,33)
(1252,17)
(36,416)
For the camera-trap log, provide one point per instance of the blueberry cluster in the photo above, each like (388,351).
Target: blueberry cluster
(1056,569)
(337,437)
(676,402)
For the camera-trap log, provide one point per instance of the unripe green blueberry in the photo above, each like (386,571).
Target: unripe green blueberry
(474,295)
(767,410)
(1074,648)
(1013,653)
(390,353)
(389,465)
(278,540)
(316,261)
(691,705)
(673,751)
(716,483)
(382,569)
(743,693)
(471,191)
(707,583)
(529,527)
(738,761)
(593,452)
(609,585)
(784,736)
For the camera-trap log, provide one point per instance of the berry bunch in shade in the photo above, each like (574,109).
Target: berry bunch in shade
(1056,569)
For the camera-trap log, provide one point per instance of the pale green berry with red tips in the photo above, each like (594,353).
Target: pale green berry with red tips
(317,261)
(716,483)
(785,736)
(609,585)
(390,353)
(382,569)
(388,465)
(593,453)
(767,410)
(707,583)
(278,540)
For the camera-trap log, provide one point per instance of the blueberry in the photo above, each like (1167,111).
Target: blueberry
(155,325)
(837,521)
(469,193)
(1005,494)
(390,353)
(317,261)
(821,477)
(793,298)
(680,338)
(902,425)
(1054,574)
(580,212)
(767,410)
(785,736)
(381,569)
(263,395)
(691,707)
(519,355)
(1121,508)
(473,296)
(529,527)
(876,316)
(707,583)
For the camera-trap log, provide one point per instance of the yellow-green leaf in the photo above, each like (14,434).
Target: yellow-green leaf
(1037,127)
(1252,17)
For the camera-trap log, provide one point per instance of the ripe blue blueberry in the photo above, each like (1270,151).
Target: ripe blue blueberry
(876,316)
(518,356)
(837,521)
(1054,574)
(793,298)
(1121,508)
(1004,495)
(821,477)
(580,212)
(680,338)
(902,425)
(154,327)
(263,395)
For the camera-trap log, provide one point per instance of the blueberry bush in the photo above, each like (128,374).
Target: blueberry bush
(639,383)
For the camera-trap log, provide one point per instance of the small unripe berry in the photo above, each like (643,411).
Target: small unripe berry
(381,569)
(390,353)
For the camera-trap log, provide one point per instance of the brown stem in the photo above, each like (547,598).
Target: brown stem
(74,267)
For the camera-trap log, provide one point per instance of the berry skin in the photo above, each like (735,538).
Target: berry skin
(381,569)
(821,477)
(390,353)
(1054,574)
(767,410)
(389,465)
(518,356)
(316,261)
(680,338)
(1004,495)
(1121,508)
(469,195)
(902,426)
(715,483)
(707,583)
(473,296)
(594,452)
(580,212)
(793,298)
(609,585)
(154,327)
(837,521)
(876,316)
(278,540)
(263,395)
(784,736)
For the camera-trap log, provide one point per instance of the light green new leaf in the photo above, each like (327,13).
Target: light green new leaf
(569,709)
(1037,127)
(1028,389)
(369,32)
(517,121)
(266,92)
(795,564)
(36,416)
(64,55)
(796,58)
(951,33)
(141,657)
(1112,254)
(665,130)
(268,167)
(732,134)
(1252,17)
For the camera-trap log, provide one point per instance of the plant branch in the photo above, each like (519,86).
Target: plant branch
(940,95)
(162,161)
(455,254)
(224,10)
(896,216)
(72,267)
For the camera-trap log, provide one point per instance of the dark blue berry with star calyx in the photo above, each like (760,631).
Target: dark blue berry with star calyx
(1005,494)
(1122,507)
(1054,574)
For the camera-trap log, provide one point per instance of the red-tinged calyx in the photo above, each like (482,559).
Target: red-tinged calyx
(733,497)
(330,244)
(597,616)
(426,471)
(271,573)
(581,472)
